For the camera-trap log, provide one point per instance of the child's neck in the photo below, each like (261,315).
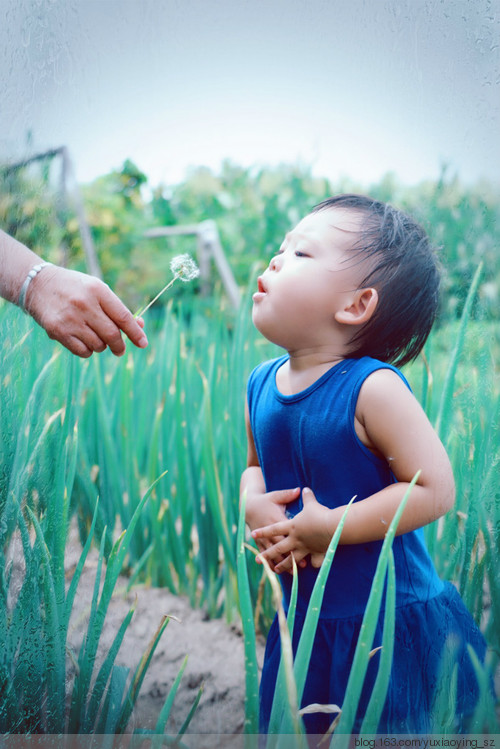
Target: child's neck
(303,368)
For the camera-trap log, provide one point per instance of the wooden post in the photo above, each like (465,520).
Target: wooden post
(203,262)
(88,243)
(208,247)
(210,237)
(62,207)
(92,261)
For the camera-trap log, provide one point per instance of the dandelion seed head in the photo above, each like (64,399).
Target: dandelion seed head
(184,268)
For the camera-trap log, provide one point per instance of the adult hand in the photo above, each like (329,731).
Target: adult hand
(81,312)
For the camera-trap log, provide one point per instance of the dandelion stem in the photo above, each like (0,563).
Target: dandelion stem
(183,267)
(143,309)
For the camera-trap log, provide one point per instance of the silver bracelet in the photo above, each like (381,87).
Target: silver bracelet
(24,288)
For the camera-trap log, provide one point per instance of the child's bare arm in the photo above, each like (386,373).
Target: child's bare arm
(262,508)
(390,421)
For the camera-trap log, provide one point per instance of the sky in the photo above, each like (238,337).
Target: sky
(351,88)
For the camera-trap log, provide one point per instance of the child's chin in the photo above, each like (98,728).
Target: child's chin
(257,320)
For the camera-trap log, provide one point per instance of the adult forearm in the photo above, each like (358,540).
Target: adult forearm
(16,261)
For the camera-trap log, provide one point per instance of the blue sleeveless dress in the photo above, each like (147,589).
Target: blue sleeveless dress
(309,439)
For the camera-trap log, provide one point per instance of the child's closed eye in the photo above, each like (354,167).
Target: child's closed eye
(297,253)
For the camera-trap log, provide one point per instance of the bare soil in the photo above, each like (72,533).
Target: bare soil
(214,649)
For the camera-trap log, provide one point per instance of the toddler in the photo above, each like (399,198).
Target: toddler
(351,295)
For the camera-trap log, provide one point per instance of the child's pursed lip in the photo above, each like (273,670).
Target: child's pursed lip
(261,290)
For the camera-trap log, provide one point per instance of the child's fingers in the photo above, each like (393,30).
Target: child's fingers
(287,564)
(317,560)
(270,531)
(283,496)
(276,553)
(266,543)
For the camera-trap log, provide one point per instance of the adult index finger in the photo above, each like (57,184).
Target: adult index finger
(114,308)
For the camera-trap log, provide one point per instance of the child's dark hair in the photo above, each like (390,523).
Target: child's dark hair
(404,269)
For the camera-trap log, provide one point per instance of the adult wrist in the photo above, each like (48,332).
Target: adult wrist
(35,270)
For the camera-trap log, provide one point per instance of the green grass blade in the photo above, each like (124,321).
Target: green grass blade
(138,567)
(377,699)
(112,708)
(167,705)
(23,650)
(119,551)
(104,673)
(248,625)
(53,637)
(485,719)
(443,420)
(215,495)
(282,719)
(140,672)
(70,596)
(445,696)
(98,615)
(56,519)
(21,460)
(304,648)
(357,674)
(86,658)
(280,689)
(291,722)
(189,716)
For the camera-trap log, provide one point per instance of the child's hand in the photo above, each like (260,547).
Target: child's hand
(309,532)
(268,509)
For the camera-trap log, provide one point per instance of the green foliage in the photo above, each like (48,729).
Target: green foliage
(253,208)
(178,407)
(39,441)
(464,223)
(118,216)
(30,211)
(248,625)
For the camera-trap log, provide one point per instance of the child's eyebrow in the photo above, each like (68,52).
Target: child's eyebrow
(292,235)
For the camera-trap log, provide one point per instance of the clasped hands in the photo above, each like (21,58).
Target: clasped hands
(307,534)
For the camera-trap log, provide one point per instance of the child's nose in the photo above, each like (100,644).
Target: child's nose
(275,263)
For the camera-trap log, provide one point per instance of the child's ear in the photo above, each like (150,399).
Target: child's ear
(359,309)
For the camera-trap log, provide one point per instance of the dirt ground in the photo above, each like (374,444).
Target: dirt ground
(214,649)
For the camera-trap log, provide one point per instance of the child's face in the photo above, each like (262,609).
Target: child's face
(311,278)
